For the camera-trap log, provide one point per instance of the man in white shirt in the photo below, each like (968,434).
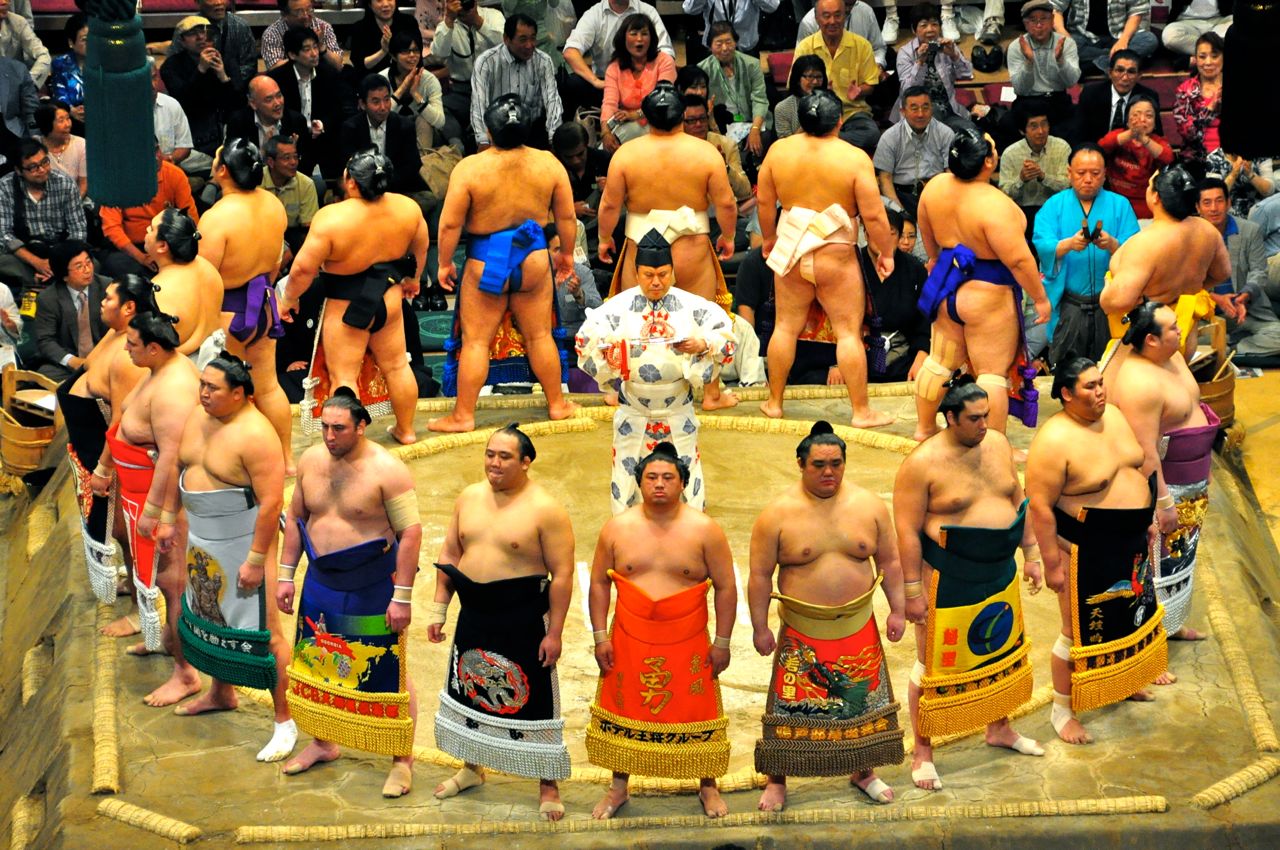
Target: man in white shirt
(19,41)
(173,133)
(593,36)
(461,37)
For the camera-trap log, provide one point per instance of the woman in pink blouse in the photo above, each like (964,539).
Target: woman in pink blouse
(1134,154)
(1197,103)
(636,68)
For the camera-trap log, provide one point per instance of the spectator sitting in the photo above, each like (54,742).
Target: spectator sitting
(232,37)
(1190,19)
(696,121)
(126,229)
(587,167)
(378,127)
(1258,333)
(1247,181)
(296,192)
(690,79)
(294,349)
(936,65)
(10,328)
(518,67)
(66,76)
(594,35)
(895,317)
(1104,106)
(266,117)
(851,68)
(1101,27)
(320,95)
(912,151)
(1197,103)
(578,295)
(859,19)
(371,50)
(69,313)
(19,41)
(39,208)
(907,241)
(298,13)
(1034,168)
(1076,233)
(461,36)
(173,133)
(743,18)
(53,120)
(737,84)
(637,66)
(18,106)
(1044,62)
(1134,154)
(418,95)
(1265,214)
(807,73)
(197,78)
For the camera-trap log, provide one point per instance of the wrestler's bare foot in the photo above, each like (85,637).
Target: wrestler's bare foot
(452,424)
(182,684)
(1073,732)
(922,434)
(873,786)
(549,805)
(402,439)
(211,701)
(400,779)
(123,627)
(611,398)
(140,650)
(613,800)
(871,419)
(1165,678)
(1143,696)
(713,805)
(317,752)
(725,399)
(563,410)
(1002,734)
(923,776)
(1187,633)
(773,411)
(774,798)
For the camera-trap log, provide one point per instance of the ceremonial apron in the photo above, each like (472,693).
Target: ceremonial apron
(1185,459)
(86,420)
(135,468)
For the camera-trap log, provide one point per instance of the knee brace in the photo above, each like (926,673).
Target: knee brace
(990,381)
(917,673)
(930,378)
(1062,647)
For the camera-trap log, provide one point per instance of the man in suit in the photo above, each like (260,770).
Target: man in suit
(266,117)
(1252,324)
(68,313)
(327,102)
(1104,105)
(377,126)
(18,102)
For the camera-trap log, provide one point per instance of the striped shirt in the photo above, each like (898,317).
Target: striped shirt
(498,72)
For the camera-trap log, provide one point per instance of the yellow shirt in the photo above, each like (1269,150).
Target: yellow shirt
(853,62)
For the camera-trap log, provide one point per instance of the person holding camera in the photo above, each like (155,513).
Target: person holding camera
(1076,232)
(39,207)
(937,64)
(465,32)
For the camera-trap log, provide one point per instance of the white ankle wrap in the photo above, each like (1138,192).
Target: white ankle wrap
(1061,712)
(917,673)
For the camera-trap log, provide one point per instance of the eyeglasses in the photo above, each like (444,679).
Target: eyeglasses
(80,265)
(37,166)
(814,77)
(696,119)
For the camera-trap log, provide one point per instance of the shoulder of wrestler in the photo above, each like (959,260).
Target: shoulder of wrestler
(312,461)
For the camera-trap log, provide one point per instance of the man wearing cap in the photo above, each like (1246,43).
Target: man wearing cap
(233,38)
(1044,62)
(501,196)
(198,79)
(660,344)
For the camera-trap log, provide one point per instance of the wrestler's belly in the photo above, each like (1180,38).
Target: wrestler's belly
(332,533)
(1129,490)
(488,562)
(833,578)
(659,583)
(991,512)
(197,479)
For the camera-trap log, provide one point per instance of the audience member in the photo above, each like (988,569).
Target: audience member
(266,117)
(10,328)
(53,120)
(1034,168)
(989,32)
(587,167)
(1265,214)
(1044,62)
(637,65)
(1198,101)
(197,78)
(912,151)
(697,119)
(173,132)
(936,65)
(39,208)
(230,35)
(555,19)
(908,242)
(66,75)
(1104,106)
(518,67)
(314,90)
(1259,332)
(18,40)
(378,127)
(578,294)
(737,84)
(1190,19)
(1076,232)
(594,36)
(298,13)
(296,191)
(895,326)
(1134,154)
(126,229)
(851,68)
(18,102)
(69,313)
(429,14)
(418,95)
(807,73)
(741,16)
(1101,27)
(371,51)
(463,35)
(1248,181)
(859,19)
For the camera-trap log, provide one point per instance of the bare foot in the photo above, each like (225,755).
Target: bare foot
(182,684)
(923,434)
(873,786)
(1143,696)
(563,410)
(1187,633)
(1166,678)
(923,773)
(291,470)
(871,419)
(139,650)
(713,806)
(773,411)
(123,627)
(453,424)
(611,398)
(399,780)
(317,752)
(549,805)
(1002,734)
(1073,732)
(402,439)
(774,798)
(726,399)
(207,702)
(613,800)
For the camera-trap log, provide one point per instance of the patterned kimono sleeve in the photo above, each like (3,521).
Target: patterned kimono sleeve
(599,345)
(716,328)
